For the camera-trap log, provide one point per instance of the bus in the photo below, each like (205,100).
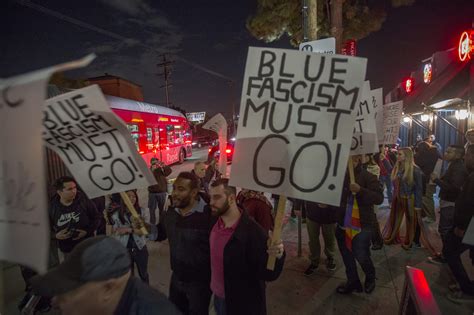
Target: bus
(157,131)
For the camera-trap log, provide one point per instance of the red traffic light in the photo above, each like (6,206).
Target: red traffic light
(408,85)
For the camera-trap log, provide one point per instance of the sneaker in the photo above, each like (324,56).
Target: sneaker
(460,297)
(331,264)
(369,285)
(348,288)
(437,260)
(377,247)
(310,270)
(454,287)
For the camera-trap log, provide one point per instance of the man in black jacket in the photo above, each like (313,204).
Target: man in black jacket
(96,279)
(187,225)
(463,214)
(426,157)
(319,218)
(157,192)
(451,184)
(72,215)
(368,191)
(239,253)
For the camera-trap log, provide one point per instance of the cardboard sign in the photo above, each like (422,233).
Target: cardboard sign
(392,115)
(364,138)
(322,46)
(297,115)
(218,124)
(24,222)
(377,105)
(94,143)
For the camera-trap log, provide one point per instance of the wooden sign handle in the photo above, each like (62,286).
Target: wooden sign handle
(132,210)
(276,236)
(350,167)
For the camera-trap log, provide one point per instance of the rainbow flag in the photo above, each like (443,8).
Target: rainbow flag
(351,221)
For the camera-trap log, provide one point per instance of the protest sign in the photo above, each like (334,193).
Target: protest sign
(392,115)
(377,105)
(24,222)
(218,124)
(297,115)
(94,143)
(364,138)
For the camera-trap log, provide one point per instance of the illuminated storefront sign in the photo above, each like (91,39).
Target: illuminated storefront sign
(465,47)
(427,73)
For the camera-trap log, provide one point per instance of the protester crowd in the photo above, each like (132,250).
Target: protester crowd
(219,239)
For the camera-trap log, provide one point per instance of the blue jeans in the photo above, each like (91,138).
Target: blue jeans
(360,253)
(156,200)
(219,305)
(386,181)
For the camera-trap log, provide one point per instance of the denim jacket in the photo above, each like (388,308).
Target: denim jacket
(416,189)
(140,240)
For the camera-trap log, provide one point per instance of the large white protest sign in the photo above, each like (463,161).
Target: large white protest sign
(24,223)
(297,115)
(392,115)
(94,143)
(218,124)
(322,46)
(364,139)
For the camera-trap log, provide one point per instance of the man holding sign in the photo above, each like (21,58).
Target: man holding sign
(239,253)
(354,233)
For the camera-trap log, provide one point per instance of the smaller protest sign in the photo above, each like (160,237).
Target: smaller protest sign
(364,137)
(377,104)
(218,124)
(94,143)
(392,115)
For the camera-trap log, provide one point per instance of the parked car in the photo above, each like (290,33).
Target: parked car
(214,151)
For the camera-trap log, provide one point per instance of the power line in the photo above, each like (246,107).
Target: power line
(113,35)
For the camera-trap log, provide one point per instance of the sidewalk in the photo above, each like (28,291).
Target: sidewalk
(295,293)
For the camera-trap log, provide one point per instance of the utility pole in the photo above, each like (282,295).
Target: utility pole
(166,65)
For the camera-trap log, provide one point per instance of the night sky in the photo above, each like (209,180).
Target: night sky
(210,33)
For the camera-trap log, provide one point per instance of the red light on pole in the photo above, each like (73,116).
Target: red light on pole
(408,85)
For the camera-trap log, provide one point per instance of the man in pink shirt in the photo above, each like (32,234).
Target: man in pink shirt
(239,254)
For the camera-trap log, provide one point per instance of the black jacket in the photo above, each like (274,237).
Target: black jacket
(245,272)
(315,213)
(426,161)
(188,237)
(141,299)
(370,194)
(451,182)
(80,215)
(464,206)
(160,174)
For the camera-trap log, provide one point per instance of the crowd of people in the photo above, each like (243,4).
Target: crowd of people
(219,239)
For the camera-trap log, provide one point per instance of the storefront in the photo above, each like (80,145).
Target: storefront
(439,96)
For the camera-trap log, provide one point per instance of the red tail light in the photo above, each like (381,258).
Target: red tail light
(228,151)
(209,150)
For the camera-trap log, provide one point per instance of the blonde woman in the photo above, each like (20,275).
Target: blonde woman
(407,201)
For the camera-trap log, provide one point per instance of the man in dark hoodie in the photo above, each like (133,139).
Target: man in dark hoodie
(368,192)
(72,215)
(454,247)
(451,184)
